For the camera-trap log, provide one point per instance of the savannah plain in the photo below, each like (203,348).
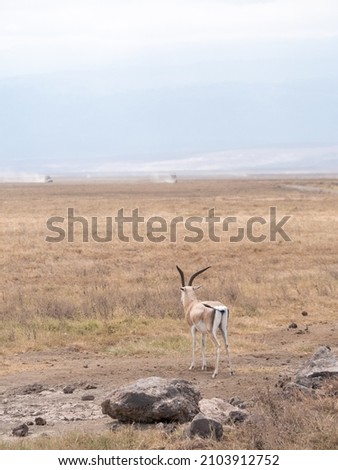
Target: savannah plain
(106,314)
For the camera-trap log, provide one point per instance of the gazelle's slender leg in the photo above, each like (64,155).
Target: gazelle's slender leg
(204,362)
(193,334)
(227,351)
(218,349)
(225,337)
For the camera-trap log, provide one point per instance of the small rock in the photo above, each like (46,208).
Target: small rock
(293,325)
(30,423)
(236,401)
(90,387)
(300,332)
(20,431)
(87,398)
(32,388)
(69,389)
(40,421)
(304,313)
(205,427)
(45,393)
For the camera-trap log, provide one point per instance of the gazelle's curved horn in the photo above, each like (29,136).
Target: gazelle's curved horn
(197,274)
(181,274)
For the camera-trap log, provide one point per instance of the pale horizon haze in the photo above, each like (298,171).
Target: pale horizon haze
(105,87)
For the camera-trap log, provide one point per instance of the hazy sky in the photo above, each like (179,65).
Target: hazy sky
(108,84)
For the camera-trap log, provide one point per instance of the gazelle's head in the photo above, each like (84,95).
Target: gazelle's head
(188,290)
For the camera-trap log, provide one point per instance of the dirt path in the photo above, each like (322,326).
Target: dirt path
(97,374)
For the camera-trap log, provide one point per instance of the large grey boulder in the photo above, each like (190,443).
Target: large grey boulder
(222,411)
(152,400)
(323,364)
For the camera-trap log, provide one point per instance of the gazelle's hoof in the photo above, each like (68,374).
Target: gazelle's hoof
(214,375)
(232,372)
(191,367)
(204,367)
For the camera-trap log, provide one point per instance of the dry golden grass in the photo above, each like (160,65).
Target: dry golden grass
(53,293)
(123,298)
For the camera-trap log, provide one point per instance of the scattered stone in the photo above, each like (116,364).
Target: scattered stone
(236,401)
(32,388)
(205,427)
(152,400)
(222,411)
(87,398)
(40,421)
(45,393)
(69,389)
(90,387)
(300,332)
(30,423)
(304,313)
(292,325)
(20,431)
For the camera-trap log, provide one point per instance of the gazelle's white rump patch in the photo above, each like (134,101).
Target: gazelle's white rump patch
(220,307)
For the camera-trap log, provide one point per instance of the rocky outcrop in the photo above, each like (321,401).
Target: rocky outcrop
(323,364)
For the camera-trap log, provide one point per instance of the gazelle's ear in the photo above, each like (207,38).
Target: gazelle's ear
(196,287)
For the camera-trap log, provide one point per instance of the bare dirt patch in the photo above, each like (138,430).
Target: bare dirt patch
(38,390)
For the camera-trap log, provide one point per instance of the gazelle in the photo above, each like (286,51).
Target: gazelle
(206,318)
